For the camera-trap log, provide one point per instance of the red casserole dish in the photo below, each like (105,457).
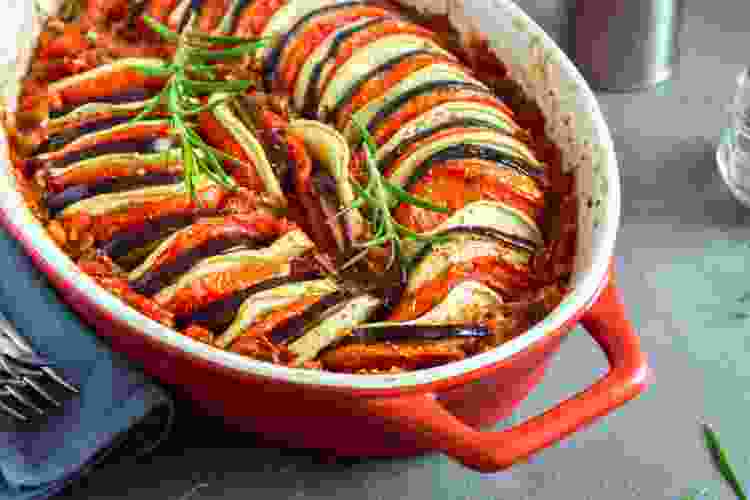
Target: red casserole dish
(442,408)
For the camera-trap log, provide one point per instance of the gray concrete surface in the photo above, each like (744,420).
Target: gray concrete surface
(682,253)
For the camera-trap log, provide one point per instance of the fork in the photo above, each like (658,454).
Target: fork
(23,375)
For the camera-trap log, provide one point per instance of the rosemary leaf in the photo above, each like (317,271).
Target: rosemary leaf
(406,197)
(152,71)
(722,461)
(161,29)
(695,496)
(217,39)
(203,87)
(150,107)
(232,53)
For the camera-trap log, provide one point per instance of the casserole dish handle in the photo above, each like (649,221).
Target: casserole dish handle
(628,376)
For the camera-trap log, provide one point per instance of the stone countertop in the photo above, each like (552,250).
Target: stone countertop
(683,257)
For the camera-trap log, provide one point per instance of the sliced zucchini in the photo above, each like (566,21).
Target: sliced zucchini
(263,303)
(250,146)
(467,140)
(275,56)
(283,20)
(291,245)
(309,76)
(332,151)
(436,118)
(333,328)
(461,247)
(365,59)
(438,72)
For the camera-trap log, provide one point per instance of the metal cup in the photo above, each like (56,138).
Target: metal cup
(623,45)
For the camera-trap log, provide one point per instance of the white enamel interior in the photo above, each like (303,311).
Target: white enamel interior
(575,123)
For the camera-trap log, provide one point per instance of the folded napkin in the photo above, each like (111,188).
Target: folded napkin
(119,410)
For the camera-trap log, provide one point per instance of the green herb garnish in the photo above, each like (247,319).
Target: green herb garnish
(695,496)
(722,461)
(190,76)
(378,196)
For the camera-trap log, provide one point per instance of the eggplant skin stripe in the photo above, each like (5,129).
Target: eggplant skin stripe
(259,269)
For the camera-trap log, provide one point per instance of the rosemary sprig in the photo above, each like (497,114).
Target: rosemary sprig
(722,461)
(695,496)
(190,76)
(378,196)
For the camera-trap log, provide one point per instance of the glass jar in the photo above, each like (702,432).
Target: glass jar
(733,153)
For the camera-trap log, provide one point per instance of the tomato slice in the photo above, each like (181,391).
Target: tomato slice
(211,14)
(363,37)
(137,132)
(215,286)
(377,87)
(256,16)
(279,317)
(256,225)
(114,170)
(104,227)
(106,84)
(308,197)
(120,288)
(160,9)
(305,43)
(420,104)
(490,271)
(456,183)
(216,135)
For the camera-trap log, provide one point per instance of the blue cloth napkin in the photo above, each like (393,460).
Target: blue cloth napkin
(39,460)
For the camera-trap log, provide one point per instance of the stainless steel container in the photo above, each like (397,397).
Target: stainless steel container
(622,45)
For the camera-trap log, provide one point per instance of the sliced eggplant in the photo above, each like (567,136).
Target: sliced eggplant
(275,56)
(457,113)
(108,80)
(260,304)
(57,202)
(296,326)
(367,58)
(116,202)
(307,83)
(83,119)
(468,142)
(518,229)
(142,137)
(378,74)
(459,314)
(127,244)
(438,72)
(332,152)
(283,19)
(88,172)
(129,97)
(228,22)
(461,247)
(203,239)
(278,254)
(250,146)
(219,314)
(392,117)
(336,326)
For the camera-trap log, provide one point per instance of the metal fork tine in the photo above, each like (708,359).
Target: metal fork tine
(57,378)
(12,412)
(23,400)
(40,390)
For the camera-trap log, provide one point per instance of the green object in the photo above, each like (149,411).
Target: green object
(722,461)
(181,96)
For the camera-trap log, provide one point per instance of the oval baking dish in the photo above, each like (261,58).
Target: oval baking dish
(403,412)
